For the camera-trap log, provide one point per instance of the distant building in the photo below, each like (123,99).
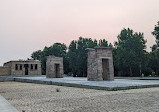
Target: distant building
(28,67)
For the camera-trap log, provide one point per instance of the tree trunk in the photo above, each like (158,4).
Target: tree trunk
(130,71)
(140,69)
(156,72)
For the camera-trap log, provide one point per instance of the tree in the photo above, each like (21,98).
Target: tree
(103,43)
(37,55)
(129,53)
(154,59)
(156,33)
(72,56)
(77,55)
(154,54)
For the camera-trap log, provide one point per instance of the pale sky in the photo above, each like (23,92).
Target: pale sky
(30,25)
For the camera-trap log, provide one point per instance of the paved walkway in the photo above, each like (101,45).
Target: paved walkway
(5,106)
(82,82)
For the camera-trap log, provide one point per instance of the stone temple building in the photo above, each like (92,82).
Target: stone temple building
(21,67)
(54,67)
(100,64)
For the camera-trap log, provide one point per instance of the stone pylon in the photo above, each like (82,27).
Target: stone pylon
(100,64)
(54,67)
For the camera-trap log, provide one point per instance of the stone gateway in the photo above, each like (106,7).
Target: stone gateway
(54,67)
(100,64)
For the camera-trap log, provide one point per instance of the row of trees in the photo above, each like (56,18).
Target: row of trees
(129,53)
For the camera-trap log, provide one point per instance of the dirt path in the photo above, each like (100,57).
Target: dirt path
(45,98)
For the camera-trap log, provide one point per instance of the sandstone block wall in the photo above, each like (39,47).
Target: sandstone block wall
(4,71)
(92,66)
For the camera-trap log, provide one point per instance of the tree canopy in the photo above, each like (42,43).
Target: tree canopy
(129,52)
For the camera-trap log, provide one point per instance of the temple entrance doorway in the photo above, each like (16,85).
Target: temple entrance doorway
(105,69)
(57,70)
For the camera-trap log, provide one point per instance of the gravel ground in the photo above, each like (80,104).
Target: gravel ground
(49,98)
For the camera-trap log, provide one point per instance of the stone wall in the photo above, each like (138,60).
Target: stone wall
(54,67)
(4,71)
(100,64)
